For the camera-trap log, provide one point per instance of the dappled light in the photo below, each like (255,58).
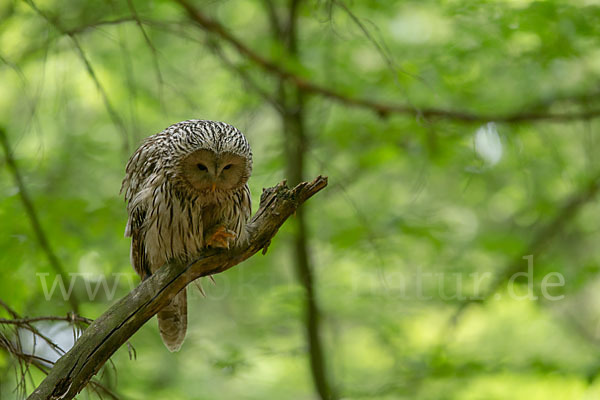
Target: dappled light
(450,250)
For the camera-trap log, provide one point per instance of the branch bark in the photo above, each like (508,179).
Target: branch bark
(107,333)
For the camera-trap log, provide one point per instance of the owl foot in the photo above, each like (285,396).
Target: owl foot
(221,238)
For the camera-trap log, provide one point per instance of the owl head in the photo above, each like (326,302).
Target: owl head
(213,156)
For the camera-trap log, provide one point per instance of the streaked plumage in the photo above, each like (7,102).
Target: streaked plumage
(181,186)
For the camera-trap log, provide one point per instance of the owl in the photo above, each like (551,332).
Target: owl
(186,189)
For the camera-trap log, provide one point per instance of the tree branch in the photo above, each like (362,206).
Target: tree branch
(107,333)
(84,28)
(153,51)
(380,108)
(71,317)
(112,112)
(244,76)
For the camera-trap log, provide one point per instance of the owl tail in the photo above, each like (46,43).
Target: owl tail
(172,321)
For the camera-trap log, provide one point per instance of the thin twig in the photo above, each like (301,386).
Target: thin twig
(244,76)
(12,312)
(153,50)
(114,116)
(25,359)
(70,318)
(84,28)
(382,49)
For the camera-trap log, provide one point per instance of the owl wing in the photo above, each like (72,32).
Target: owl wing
(138,177)
(138,257)
(246,203)
(243,210)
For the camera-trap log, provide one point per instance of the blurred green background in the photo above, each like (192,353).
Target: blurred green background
(412,248)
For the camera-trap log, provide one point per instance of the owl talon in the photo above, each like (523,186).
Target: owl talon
(221,238)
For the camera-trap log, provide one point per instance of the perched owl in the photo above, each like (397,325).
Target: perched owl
(186,189)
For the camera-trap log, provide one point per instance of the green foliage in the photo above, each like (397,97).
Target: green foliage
(421,215)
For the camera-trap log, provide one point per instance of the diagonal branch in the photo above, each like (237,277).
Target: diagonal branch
(140,25)
(540,240)
(84,28)
(107,333)
(112,112)
(383,109)
(244,76)
(31,212)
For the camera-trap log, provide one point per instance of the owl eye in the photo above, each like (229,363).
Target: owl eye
(202,167)
(228,166)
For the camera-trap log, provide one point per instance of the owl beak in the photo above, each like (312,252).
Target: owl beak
(213,187)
